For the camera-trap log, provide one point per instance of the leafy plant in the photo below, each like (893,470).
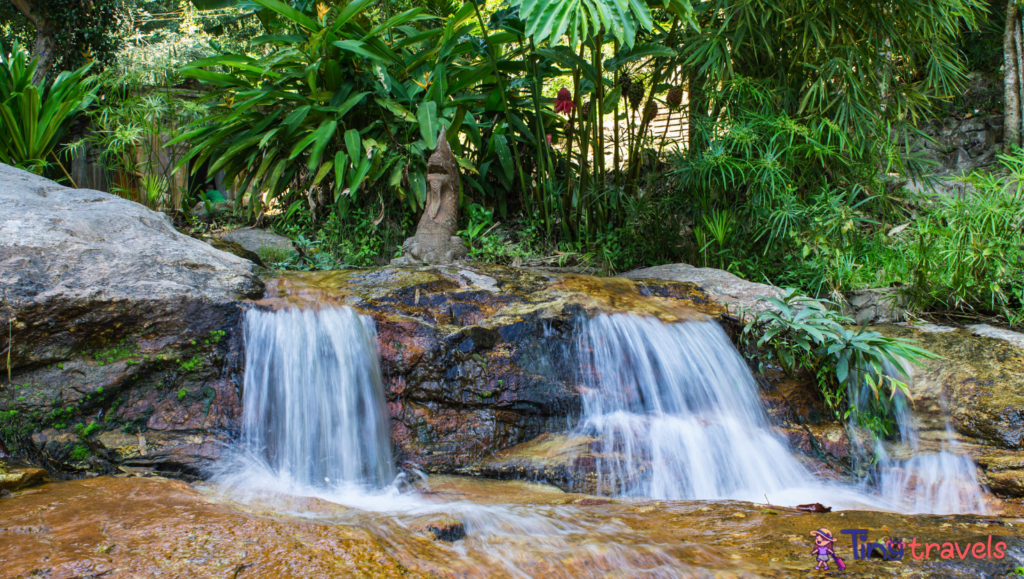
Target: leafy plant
(334,108)
(33,118)
(798,333)
(480,220)
(969,251)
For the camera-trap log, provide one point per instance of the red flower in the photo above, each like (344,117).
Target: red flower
(563,102)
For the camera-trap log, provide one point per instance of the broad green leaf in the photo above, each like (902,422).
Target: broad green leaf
(289,13)
(340,166)
(430,127)
(357,47)
(352,9)
(358,175)
(396,173)
(400,111)
(352,101)
(324,170)
(611,100)
(353,144)
(323,135)
(302,145)
(419,186)
(504,155)
(467,165)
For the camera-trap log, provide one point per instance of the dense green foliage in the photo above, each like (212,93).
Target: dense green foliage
(33,119)
(799,334)
(83,31)
(797,166)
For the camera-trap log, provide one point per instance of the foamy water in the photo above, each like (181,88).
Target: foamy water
(673,406)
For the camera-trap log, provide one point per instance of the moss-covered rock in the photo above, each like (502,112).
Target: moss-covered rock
(108,312)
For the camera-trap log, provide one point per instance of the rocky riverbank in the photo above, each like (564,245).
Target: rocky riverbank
(120,334)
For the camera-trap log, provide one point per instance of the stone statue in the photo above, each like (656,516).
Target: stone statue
(435,240)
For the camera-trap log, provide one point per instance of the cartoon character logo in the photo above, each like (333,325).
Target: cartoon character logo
(823,550)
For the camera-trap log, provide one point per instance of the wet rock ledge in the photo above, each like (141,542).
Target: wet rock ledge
(120,332)
(478,358)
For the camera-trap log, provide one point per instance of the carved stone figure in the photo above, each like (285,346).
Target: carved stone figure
(435,240)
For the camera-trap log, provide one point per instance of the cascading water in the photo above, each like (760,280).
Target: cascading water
(676,413)
(941,483)
(672,412)
(314,412)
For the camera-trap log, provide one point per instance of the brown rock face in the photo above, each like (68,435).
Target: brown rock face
(13,477)
(116,324)
(479,358)
(979,383)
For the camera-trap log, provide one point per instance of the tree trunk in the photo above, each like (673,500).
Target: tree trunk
(1011,81)
(42,48)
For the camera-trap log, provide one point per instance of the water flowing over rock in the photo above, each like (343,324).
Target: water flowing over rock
(675,413)
(477,358)
(121,331)
(314,402)
(114,527)
(970,401)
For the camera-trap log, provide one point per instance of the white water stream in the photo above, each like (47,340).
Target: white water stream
(677,415)
(674,408)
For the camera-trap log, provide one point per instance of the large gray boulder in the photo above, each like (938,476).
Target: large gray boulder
(723,287)
(258,240)
(111,317)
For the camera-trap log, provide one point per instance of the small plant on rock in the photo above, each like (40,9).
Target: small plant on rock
(800,334)
(79,453)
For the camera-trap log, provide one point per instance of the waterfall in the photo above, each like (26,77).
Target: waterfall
(670,411)
(942,483)
(676,413)
(314,412)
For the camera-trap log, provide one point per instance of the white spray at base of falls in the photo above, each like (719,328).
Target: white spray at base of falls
(941,483)
(313,409)
(676,415)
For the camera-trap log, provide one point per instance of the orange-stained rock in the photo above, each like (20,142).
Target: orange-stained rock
(13,478)
(152,527)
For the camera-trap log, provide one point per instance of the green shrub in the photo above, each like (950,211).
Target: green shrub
(33,119)
(800,334)
(274,255)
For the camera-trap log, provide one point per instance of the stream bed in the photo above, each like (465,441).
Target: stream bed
(154,527)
